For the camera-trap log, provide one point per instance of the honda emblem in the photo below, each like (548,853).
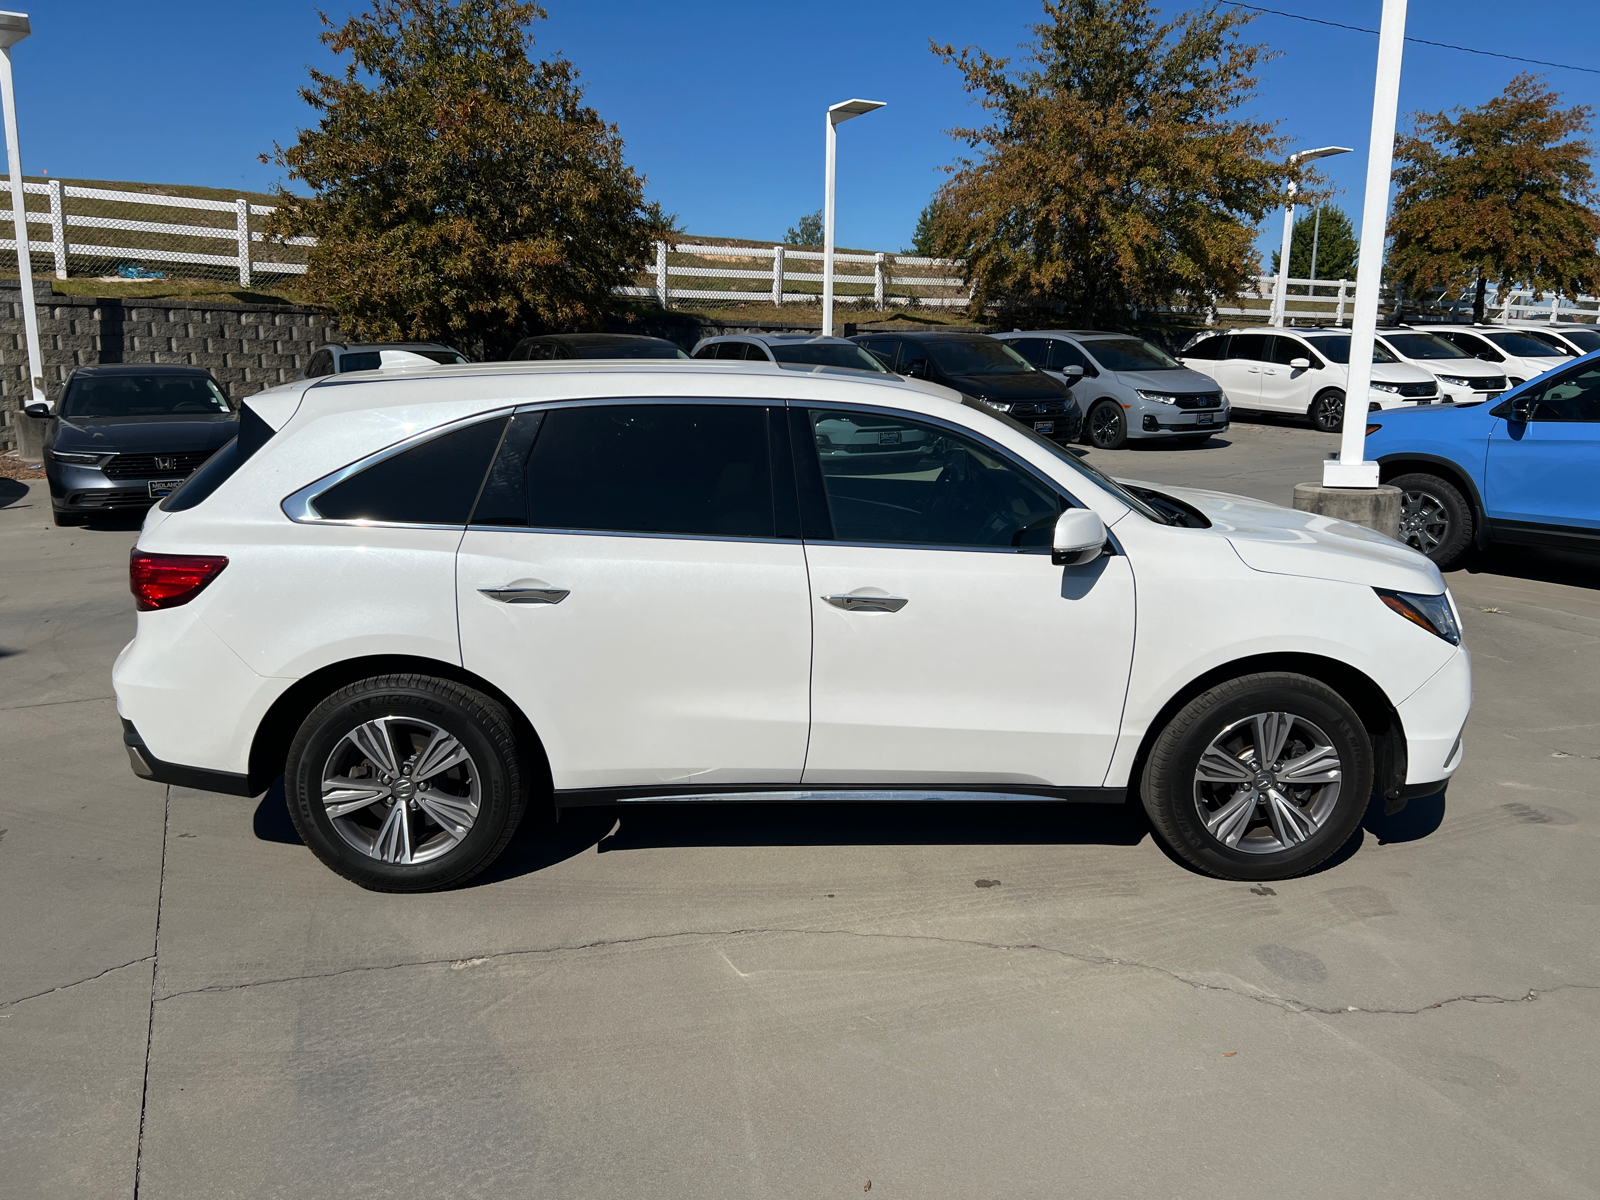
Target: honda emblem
(167,462)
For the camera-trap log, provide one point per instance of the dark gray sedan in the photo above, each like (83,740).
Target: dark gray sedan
(122,437)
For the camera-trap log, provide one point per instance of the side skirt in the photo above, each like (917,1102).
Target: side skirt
(790,793)
(1560,537)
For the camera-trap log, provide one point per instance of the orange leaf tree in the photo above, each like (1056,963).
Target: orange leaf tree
(1498,193)
(461,191)
(1114,174)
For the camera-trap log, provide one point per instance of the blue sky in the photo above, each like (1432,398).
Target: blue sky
(720,103)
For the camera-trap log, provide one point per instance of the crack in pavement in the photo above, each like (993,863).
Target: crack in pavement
(53,703)
(76,982)
(1285,1004)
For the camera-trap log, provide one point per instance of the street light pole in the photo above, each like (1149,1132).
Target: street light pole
(13,28)
(836,114)
(1350,470)
(1280,294)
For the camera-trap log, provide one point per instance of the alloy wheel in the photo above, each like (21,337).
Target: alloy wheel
(401,789)
(1424,521)
(1105,425)
(1267,782)
(1329,416)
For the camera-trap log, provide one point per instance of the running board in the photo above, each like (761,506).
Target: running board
(864,793)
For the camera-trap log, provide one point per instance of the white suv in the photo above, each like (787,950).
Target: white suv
(1517,354)
(434,599)
(1303,372)
(1462,378)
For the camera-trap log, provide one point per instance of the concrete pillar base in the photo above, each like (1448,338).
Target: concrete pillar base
(30,437)
(1377,508)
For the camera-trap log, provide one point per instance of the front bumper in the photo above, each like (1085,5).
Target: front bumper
(1151,424)
(79,489)
(1433,717)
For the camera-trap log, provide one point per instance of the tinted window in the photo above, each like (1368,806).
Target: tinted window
(1574,396)
(883,348)
(1252,346)
(1335,347)
(693,469)
(363,360)
(1207,348)
(1423,346)
(1131,354)
(1286,350)
(826,354)
(449,357)
(911,354)
(1516,343)
(738,351)
(536,351)
(321,364)
(142,396)
(977,356)
(898,480)
(643,348)
(1586,340)
(1065,354)
(211,474)
(1035,350)
(1479,348)
(433,483)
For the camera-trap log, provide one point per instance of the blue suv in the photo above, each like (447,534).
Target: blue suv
(1525,469)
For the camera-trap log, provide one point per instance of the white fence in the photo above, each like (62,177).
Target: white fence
(135,240)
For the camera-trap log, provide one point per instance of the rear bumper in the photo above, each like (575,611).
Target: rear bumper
(147,766)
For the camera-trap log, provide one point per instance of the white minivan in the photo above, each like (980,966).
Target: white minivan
(1303,372)
(1462,378)
(433,600)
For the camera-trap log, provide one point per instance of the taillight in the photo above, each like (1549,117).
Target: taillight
(168,580)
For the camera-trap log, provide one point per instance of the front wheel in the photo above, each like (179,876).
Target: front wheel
(1435,518)
(1261,777)
(1327,411)
(1108,426)
(406,783)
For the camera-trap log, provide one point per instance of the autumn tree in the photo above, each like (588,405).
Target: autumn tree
(1498,194)
(1334,242)
(1114,173)
(460,190)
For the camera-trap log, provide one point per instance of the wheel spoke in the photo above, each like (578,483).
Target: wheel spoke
(1230,821)
(1218,766)
(393,841)
(1272,731)
(1289,822)
(374,741)
(342,796)
(454,814)
(442,752)
(1319,765)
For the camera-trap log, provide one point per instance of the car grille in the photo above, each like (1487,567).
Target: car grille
(109,497)
(1496,384)
(1415,390)
(145,466)
(1038,408)
(1201,400)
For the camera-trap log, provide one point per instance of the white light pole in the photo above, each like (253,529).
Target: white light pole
(836,114)
(13,28)
(1280,294)
(1350,470)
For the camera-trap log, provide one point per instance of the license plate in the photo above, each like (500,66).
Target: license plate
(1424,401)
(1044,426)
(1205,419)
(889,439)
(164,487)
(1494,395)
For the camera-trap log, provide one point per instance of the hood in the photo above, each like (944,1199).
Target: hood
(1037,386)
(1285,541)
(1467,368)
(1395,373)
(1182,383)
(145,435)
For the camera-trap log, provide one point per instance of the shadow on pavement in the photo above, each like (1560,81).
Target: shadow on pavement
(272,823)
(11,490)
(1571,568)
(1419,818)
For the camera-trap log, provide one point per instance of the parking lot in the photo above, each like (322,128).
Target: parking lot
(802,1001)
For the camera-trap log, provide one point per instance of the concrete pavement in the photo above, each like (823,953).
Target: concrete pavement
(794,1000)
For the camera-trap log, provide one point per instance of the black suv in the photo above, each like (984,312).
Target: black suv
(124,436)
(595,345)
(986,370)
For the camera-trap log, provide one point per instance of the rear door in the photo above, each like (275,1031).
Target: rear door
(1543,471)
(634,580)
(1240,373)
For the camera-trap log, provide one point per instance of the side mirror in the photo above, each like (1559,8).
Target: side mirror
(917,369)
(1076,372)
(36,408)
(1518,408)
(1079,539)
(1299,364)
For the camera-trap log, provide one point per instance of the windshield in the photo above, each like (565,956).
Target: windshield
(980,356)
(1423,345)
(827,354)
(1585,340)
(1522,345)
(1072,460)
(142,396)
(1336,348)
(651,349)
(1131,354)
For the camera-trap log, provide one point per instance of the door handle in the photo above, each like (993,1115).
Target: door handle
(516,595)
(867,603)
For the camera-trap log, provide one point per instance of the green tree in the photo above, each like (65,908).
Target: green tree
(1114,173)
(461,191)
(808,231)
(924,238)
(1501,193)
(1336,245)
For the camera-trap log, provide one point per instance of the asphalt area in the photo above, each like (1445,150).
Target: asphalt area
(791,1000)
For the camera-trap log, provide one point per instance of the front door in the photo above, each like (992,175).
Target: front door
(1542,471)
(948,650)
(633,580)
(1283,388)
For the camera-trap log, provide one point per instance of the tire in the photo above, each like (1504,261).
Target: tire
(1245,833)
(1327,411)
(1435,518)
(66,520)
(458,813)
(1107,426)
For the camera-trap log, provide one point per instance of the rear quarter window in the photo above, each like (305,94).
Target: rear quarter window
(254,433)
(435,482)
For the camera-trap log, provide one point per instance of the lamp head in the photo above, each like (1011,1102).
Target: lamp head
(14,26)
(1319,152)
(847,109)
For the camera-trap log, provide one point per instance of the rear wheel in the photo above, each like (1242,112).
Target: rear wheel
(1261,777)
(1435,518)
(1108,426)
(1327,411)
(406,783)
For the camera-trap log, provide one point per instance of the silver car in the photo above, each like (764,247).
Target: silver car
(1126,387)
(799,350)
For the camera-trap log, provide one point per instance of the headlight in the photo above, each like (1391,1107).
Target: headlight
(998,405)
(1433,613)
(77,460)
(1455,381)
(1158,397)
(1386,387)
